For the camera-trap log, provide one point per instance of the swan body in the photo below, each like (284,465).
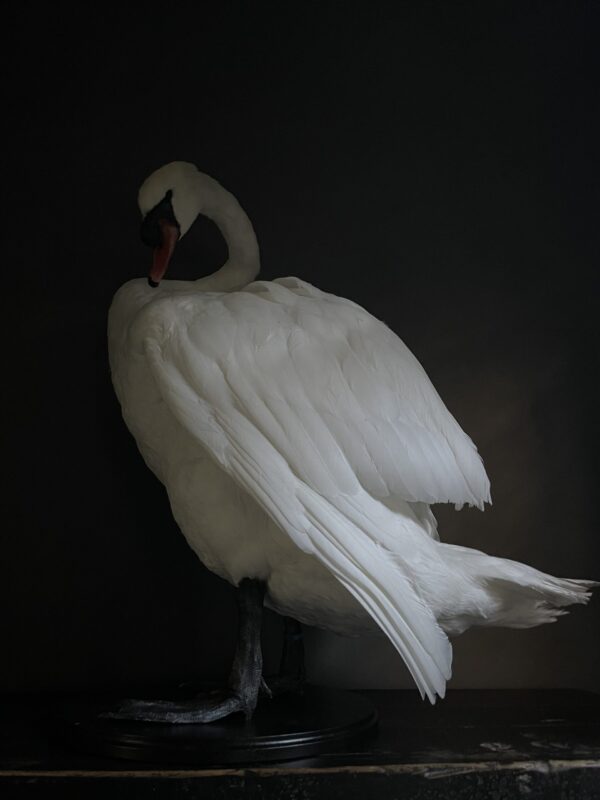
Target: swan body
(302,444)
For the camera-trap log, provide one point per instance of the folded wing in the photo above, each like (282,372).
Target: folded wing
(313,406)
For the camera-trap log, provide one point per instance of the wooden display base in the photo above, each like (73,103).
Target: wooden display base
(530,744)
(288,726)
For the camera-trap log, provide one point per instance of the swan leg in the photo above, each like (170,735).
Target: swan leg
(245,679)
(292,674)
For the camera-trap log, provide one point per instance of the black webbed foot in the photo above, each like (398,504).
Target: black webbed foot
(206,707)
(244,682)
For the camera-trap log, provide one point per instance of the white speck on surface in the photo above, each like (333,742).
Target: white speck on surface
(496,747)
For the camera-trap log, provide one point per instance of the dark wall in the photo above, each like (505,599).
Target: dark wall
(435,162)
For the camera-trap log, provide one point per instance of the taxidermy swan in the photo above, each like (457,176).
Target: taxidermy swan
(301,445)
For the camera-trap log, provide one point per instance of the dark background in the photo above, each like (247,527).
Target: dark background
(436,162)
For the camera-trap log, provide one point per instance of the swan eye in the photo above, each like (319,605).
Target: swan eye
(150,229)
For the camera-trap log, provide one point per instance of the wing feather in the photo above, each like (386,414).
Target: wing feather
(318,411)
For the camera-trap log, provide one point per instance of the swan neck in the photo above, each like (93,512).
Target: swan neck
(243,262)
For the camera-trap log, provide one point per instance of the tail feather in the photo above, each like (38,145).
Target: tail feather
(525,605)
(506,593)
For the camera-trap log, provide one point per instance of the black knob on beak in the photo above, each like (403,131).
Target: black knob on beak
(150,230)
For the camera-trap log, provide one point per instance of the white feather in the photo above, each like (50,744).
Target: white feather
(301,443)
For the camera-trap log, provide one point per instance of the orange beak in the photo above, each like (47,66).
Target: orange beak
(162,253)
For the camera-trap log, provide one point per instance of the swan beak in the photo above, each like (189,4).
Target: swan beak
(164,251)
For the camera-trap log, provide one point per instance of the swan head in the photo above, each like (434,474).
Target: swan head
(169,200)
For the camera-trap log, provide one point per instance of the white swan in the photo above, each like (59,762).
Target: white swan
(301,445)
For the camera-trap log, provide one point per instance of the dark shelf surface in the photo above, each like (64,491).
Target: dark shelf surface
(529,743)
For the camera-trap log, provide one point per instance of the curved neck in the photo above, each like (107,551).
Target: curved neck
(243,262)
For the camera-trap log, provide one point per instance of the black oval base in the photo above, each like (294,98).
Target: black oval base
(289,726)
